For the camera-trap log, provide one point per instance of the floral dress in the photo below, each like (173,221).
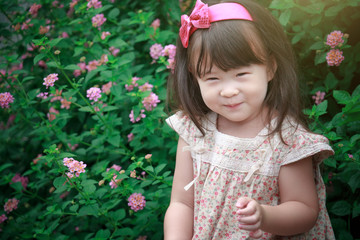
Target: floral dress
(228,167)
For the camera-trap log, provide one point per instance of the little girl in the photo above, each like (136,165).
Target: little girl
(246,165)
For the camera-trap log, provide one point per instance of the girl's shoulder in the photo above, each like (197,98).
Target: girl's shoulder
(301,143)
(184,126)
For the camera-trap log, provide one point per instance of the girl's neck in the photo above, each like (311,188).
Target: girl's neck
(246,129)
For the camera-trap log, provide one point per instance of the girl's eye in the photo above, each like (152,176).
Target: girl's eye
(211,79)
(241,74)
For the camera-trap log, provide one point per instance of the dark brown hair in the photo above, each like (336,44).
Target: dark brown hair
(231,44)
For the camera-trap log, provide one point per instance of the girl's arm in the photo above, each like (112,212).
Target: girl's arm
(299,206)
(179,217)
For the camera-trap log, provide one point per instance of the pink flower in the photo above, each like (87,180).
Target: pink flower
(130,137)
(150,101)
(133,174)
(334,39)
(104,35)
(83,67)
(156,51)
(133,84)
(155,24)
(106,87)
(114,183)
(114,166)
(18,178)
(93,93)
(34,9)
(43,30)
(148,156)
(136,201)
(169,50)
(50,80)
(5,99)
(114,51)
(64,35)
(75,167)
(92,65)
(65,103)
(98,20)
(52,114)
(351,156)
(146,87)
(42,64)
(318,97)
(334,57)
(11,205)
(43,95)
(94,3)
(2,218)
(132,117)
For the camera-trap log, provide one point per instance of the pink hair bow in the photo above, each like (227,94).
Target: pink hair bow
(199,18)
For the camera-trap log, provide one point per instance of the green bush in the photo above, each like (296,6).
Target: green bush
(75,165)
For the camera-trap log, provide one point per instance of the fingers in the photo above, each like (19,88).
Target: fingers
(249,216)
(256,234)
(242,202)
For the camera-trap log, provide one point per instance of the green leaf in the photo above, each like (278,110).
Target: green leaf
(5,165)
(354,182)
(118,215)
(74,207)
(330,82)
(297,37)
(160,167)
(317,46)
(113,13)
(39,57)
(341,96)
(356,209)
(331,162)
(72,67)
(102,234)
(92,209)
(320,58)
(85,109)
(285,17)
(54,42)
(341,208)
(334,10)
(89,187)
(281,4)
(59,181)
(123,232)
(114,140)
(321,108)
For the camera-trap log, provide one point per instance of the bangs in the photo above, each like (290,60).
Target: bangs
(227,45)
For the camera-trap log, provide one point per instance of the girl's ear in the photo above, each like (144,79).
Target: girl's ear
(271,68)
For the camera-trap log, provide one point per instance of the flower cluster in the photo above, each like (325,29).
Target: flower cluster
(18,178)
(157,50)
(94,3)
(75,167)
(93,93)
(5,99)
(136,201)
(335,56)
(98,20)
(50,80)
(150,101)
(114,183)
(138,118)
(318,97)
(11,205)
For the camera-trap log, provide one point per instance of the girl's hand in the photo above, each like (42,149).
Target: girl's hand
(249,215)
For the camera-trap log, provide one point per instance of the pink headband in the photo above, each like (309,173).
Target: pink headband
(202,16)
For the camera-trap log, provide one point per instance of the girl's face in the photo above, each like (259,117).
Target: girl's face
(238,94)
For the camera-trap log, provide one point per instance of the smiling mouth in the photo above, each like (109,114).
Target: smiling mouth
(232,105)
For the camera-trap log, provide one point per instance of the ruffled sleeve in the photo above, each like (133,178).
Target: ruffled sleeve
(303,144)
(184,126)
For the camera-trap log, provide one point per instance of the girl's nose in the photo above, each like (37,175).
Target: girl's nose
(229,92)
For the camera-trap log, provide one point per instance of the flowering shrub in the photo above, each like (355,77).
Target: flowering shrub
(85,151)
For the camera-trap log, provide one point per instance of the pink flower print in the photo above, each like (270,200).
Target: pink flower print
(156,51)
(11,205)
(130,137)
(318,97)
(18,178)
(34,9)
(169,51)
(93,93)
(155,24)
(75,167)
(52,114)
(334,39)
(50,80)
(106,88)
(92,65)
(136,201)
(5,99)
(146,87)
(104,35)
(114,51)
(132,117)
(2,218)
(98,20)
(150,101)
(94,3)
(334,57)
